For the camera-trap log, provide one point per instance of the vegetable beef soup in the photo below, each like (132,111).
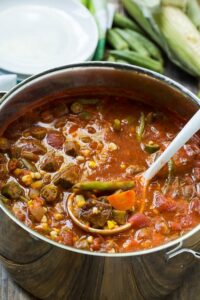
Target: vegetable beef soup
(94,151)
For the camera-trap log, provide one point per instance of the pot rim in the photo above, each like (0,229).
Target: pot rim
(109,65)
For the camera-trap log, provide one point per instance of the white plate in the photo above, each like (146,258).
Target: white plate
(42,34)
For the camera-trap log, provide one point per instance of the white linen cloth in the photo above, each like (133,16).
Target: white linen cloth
(7,82)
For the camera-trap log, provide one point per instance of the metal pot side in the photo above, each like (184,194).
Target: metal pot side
(26,253)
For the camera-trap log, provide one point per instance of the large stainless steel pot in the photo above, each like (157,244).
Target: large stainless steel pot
(53,271)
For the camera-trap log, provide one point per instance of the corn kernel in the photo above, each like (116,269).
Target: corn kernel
(44,219)
(111,224)
(45,227)
(112,147)
(17,172)
(53,234)
(85,152)
(37,185)
(100,146)
(30,202)
(58,217)
(90,239)
(92,164)
(27,179)
(37,175)
(155,211)
(146,244)
(123,166)
(104,157)
(80,200)
(95,210)
(56,230)
(112,250)
(32,175)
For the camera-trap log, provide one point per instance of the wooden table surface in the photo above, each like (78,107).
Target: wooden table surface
(190,289)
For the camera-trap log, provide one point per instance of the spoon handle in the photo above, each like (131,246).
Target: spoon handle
(184,135)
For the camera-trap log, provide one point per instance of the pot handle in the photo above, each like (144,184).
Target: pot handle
(178,250)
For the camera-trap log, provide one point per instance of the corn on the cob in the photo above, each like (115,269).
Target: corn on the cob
(182,38)
(178,3)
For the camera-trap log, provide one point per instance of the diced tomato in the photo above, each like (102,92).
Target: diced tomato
(13,164)
(37,211)
(175,226)
(186,221)
(122,201)
(143,234)
(19,212)
(139,220)
(96,245)
(55,139)
(39,201)
(130,245)
(68,238)
(157,239)
(161,203)
(162,227)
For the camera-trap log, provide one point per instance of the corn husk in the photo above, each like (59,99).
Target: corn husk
(193,12)
(172,29)
(182,38)
(177,3)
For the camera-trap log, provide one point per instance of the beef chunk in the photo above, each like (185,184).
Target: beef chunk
(67,176)
(52,162)
(97,213)
(71,148)
(32,145)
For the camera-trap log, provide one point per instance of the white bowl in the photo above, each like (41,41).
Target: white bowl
(42,34)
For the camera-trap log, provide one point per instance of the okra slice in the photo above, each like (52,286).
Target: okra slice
(12,190)
(151,147)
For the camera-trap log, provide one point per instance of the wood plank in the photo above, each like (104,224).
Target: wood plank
(9,290)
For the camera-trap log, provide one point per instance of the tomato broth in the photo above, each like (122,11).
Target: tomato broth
(96,149)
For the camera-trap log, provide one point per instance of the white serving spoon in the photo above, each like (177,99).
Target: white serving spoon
(182,137)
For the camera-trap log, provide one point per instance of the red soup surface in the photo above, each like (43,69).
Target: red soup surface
(95,149)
